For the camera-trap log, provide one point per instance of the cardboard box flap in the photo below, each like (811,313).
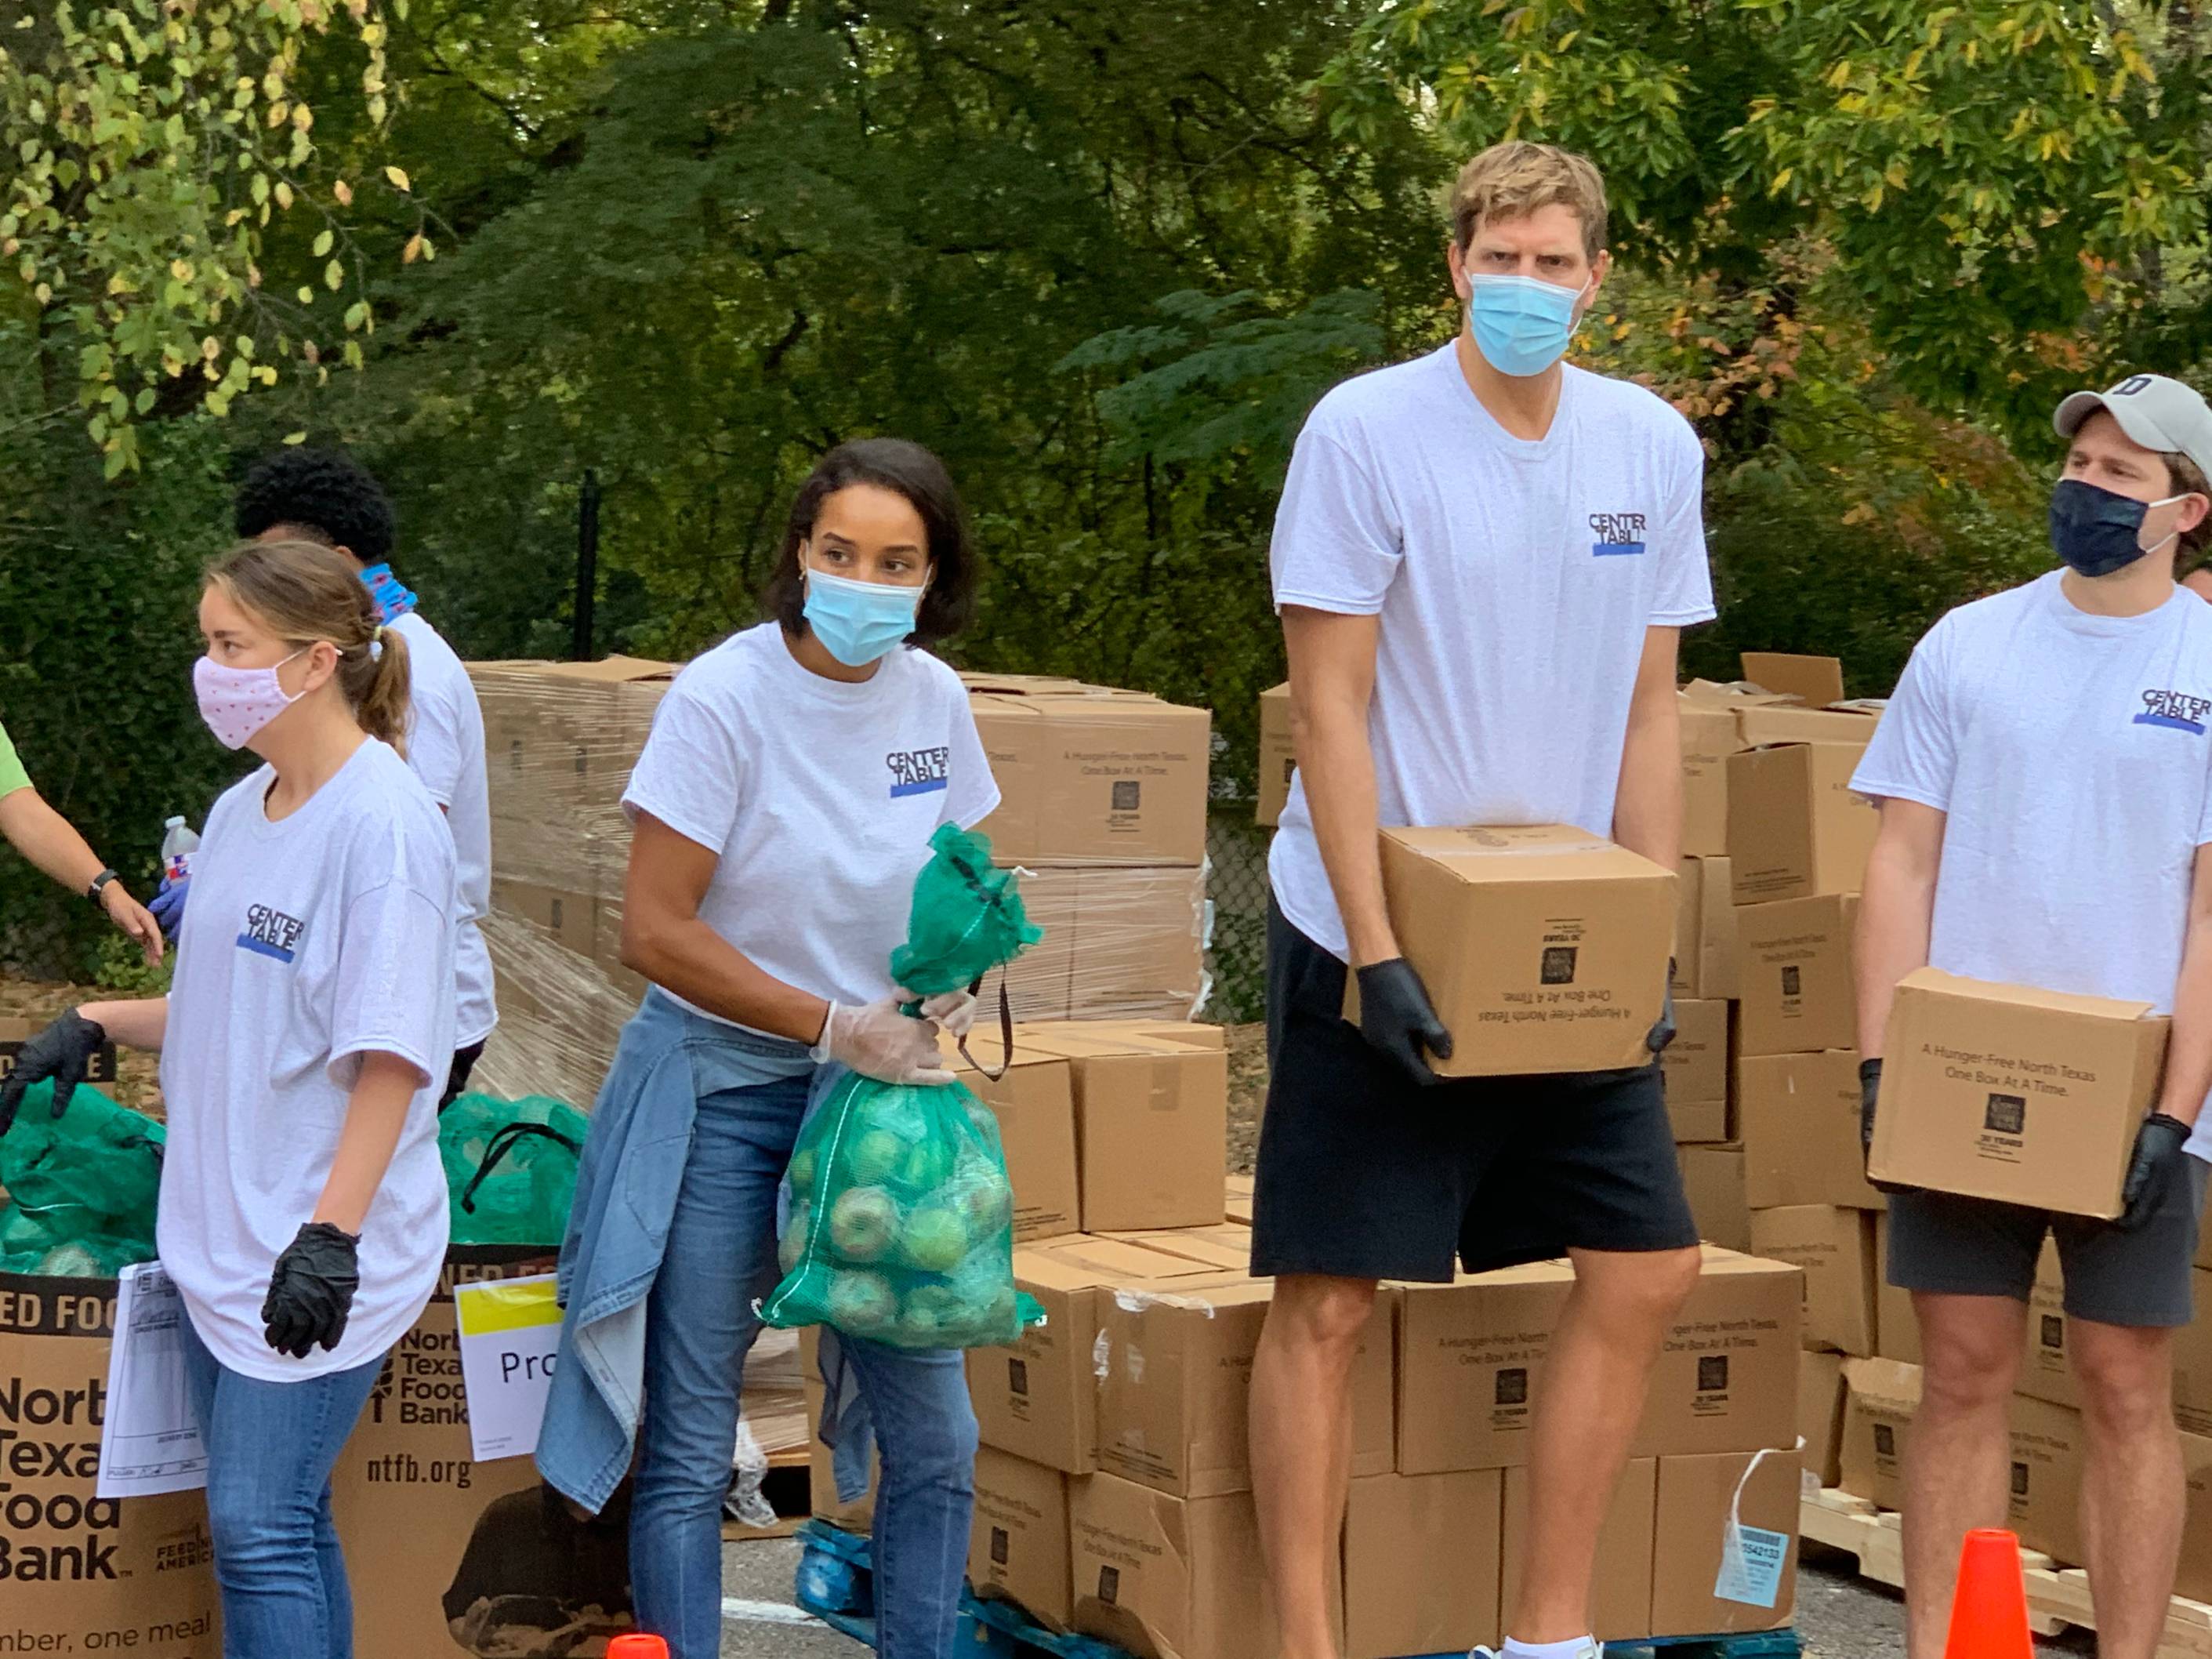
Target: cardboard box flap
(1936,982)
(1534,852)
(1112,1262)
(1761,726)
(1818,680)
(1733,693)
(1890,1384)
(610,671)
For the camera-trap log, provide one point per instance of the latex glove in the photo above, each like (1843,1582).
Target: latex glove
(954,1010)
(2158,1145)
(311,1290)
(63,1051)
(879,1041)
(168,904)
(1662,1033)
(1870,1091)
(1397,1020)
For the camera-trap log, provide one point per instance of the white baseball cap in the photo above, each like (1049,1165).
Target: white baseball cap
(2155,411)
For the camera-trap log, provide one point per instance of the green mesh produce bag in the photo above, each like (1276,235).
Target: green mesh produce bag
(900,1226)
(81,1187)
(510,1168)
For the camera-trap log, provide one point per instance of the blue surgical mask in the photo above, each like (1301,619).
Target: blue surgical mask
(858,621)
(1522,323)
(2097,531)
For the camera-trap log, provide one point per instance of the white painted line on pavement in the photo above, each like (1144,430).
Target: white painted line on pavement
(740,1610)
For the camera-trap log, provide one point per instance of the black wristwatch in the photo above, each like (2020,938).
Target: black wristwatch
(99,882)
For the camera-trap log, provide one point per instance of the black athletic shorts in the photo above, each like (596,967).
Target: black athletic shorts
(1365,1174)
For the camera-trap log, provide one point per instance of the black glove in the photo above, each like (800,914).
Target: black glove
(1662,1033)
(1396,1019)
(61,1052)
(311,1291)
(1870,1093)
(2158,1144)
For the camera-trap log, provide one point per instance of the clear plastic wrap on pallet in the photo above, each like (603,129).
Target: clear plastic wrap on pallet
(559,1015)
(1118,944)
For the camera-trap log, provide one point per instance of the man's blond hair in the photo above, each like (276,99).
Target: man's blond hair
(1513,180)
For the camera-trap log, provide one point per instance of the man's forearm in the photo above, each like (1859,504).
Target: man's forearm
(1895,911)
(2189,1046)
(1337,763)
(1647,811)
(47,839)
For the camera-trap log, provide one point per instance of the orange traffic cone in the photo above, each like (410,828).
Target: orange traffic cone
(637,1647)
(1988,1611)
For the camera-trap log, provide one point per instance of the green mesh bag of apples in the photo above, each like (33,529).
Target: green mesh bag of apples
(901,1215)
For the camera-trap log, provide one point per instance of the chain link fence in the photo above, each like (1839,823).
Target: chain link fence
(1237,885)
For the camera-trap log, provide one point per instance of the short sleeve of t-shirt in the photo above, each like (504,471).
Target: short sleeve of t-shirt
(974,795)
(1914,754)
(12,775)
(1337,543)
(689,776)
(1685,592)
(384,1003)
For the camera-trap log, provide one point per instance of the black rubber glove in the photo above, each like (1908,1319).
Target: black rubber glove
(1662,1033)
(1396,1019)
(2158,1145)
(1870,1093)
(63,1051)
(311,1291)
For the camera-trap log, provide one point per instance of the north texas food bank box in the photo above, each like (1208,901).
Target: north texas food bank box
(2020,1096)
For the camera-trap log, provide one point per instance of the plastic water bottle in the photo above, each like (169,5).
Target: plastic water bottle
(179,843)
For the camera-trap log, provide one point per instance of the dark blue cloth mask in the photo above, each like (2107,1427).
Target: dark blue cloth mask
(2097,531)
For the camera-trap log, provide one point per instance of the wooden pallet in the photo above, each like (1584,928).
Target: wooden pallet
(2058,1596)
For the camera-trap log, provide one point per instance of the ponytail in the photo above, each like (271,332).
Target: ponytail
(307,592)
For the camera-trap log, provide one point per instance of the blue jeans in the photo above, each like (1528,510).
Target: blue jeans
(720,1258)
(271,1448)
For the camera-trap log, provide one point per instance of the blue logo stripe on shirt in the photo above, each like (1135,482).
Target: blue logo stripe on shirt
(922,786)
(248,942)
(2172,723)
(1613,550)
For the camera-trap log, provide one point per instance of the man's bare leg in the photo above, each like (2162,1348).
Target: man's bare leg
(1956,1453)
(1595,1374)
(1302,1399)
(2133,1494)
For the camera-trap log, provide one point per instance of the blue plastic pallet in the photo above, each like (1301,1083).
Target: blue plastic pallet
(836,1582)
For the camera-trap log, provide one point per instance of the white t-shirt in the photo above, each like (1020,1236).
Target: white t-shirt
(309,943)
(1515,579)
(2069,753)
(445,750)
(819,798)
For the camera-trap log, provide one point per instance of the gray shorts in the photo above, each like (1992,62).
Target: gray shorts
(1953,1246)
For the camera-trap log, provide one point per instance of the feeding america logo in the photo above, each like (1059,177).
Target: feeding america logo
(2177,711)
(919,771)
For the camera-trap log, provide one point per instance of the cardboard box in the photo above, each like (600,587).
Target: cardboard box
(570,919)
(1797,829)
(1820,1414)
(1798,1118)
(1091,777)
(1175,1363)
(1834,1249)
(1278,755)
(1796,986)
(1897,1327)
(1701,1499)
(2044,1478)
(15,1033)
(1712,1178)
(1621,1599)
(2046,1371)
(1470,1365)
(1726,1378)
(1018,1550)
(1697,1072)
(1816,682)
(1543,948)
(1171,1575)
(1040,984)
(1762,725)
(1035,1104)
(2020,1096)
(1421,1563)
(1138,945)
(1709,737)
(1375,1387)
(1221,1250)
(1705,930)
(1151,1127)
(2192,1362)
(1037,1399)
(1237,1193)
(1878,1411)
(2194,1580)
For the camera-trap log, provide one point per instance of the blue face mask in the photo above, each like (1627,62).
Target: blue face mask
(1522,323)
(858,621)
(2097,531)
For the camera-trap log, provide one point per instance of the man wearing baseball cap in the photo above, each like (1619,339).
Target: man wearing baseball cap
(2044,776)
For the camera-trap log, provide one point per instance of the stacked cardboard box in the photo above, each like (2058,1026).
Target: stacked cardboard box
(1104,802)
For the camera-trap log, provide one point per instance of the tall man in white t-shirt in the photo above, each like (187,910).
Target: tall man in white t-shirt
(1482,559)
(326,496)
(2045,787)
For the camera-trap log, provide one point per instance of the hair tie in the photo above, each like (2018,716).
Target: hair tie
(376,644)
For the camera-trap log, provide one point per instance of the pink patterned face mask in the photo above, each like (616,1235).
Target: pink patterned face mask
(237,703)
